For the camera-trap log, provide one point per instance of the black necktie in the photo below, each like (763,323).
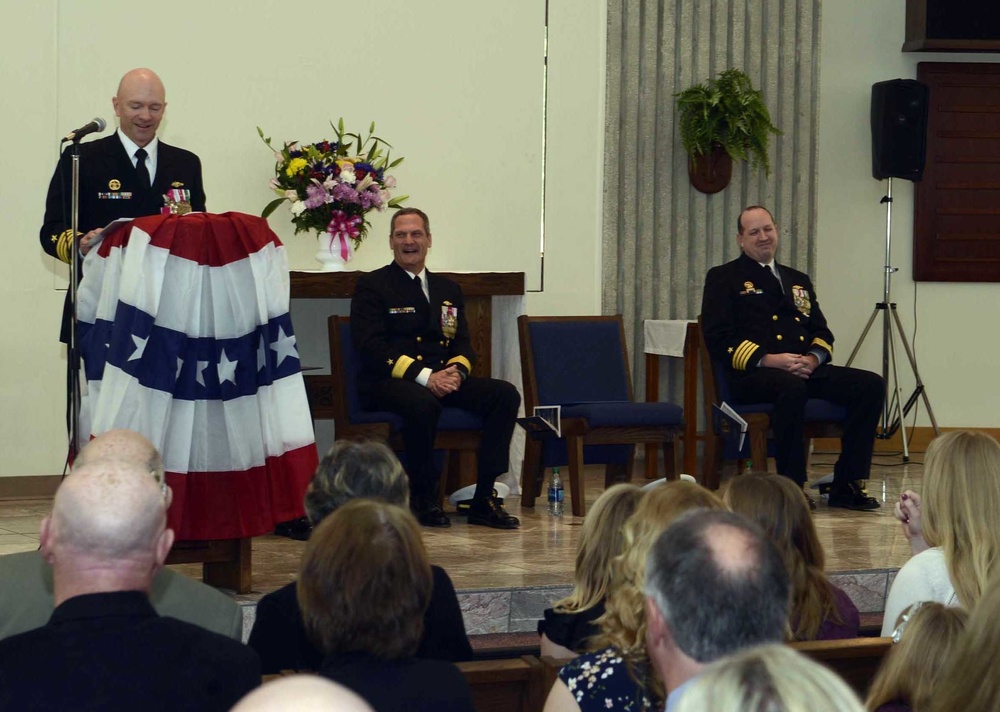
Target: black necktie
(420,285)
(775,276)
(140,169)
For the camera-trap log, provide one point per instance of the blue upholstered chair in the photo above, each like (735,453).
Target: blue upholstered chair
(581,364)
(459,431)
(823,420)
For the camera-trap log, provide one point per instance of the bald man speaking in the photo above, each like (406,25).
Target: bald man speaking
(128,174)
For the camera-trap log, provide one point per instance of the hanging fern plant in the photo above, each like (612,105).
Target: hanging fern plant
(726,112)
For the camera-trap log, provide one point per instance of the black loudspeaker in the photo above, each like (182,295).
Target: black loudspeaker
(899,129)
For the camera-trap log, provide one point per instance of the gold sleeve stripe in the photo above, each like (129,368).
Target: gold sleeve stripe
(823,345)
(462,361)
(402,363)
(742,354)
(64,245)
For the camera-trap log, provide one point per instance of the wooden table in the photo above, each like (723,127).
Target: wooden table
(692,337)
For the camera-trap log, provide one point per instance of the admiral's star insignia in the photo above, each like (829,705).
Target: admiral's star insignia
(730,349)
(389,362)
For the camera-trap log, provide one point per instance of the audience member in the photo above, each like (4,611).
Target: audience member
(364,588)
(570,622)
(105,648)
(952,529)
(302,693)
(769,678)
(970,678)
(925,638)
(617,668)
(26,580)
(353,470)
(714,585)
(819,610)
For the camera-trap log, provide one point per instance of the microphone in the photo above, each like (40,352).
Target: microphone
(95,126)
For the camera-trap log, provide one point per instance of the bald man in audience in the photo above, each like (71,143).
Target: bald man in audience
(26,580)
(303,693)
(105,647)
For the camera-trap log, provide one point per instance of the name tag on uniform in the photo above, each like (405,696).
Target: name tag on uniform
(402,310)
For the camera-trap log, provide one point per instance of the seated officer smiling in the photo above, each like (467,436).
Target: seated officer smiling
(763,321)
(410,330)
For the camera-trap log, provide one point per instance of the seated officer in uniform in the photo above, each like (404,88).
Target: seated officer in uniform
(410,329)
(762,319)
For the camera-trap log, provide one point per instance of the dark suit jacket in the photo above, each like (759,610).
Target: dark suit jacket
(279,636)
(109,189)
(398,333)
(110,651)
(745,314)
(408,685)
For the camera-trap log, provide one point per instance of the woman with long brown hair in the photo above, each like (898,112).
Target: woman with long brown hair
(819,610)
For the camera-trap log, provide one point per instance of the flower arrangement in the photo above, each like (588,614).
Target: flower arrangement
(333,185)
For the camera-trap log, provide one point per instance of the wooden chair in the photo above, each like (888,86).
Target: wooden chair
(513,685)
(581,364)
(823,420)
(459,431)
(856,660)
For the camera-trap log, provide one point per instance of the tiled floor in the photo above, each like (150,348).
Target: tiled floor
(541,553)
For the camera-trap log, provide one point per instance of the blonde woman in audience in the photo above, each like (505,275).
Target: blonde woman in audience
(570,622)
(925,638)
(819,610)
(769,678)
(616,673)
(364,586)
(970,678)
(952,529)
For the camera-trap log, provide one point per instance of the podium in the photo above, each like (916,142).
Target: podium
(186,338)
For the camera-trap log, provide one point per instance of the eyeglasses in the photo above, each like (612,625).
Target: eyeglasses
(897,634)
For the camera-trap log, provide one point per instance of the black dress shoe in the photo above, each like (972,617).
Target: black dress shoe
(852,496)
(298,529)
(432,516)
(490,513)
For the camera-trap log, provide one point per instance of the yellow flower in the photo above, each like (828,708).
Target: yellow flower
(348,163)
(295,165)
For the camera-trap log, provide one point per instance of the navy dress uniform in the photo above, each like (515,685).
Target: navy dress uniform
(747,313)
(398,332)
(110,188)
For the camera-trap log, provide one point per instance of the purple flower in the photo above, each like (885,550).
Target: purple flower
(316,196)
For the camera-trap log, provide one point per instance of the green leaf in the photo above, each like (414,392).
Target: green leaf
(371,129)
(395,163)
(272,206)
(397,202)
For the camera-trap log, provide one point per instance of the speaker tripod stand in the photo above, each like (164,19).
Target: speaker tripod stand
(893,409)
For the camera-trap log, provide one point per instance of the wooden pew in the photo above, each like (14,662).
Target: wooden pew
(513,685)
(509,685)
(856,660)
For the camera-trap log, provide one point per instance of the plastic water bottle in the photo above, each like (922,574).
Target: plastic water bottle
(749,467)
(555,494)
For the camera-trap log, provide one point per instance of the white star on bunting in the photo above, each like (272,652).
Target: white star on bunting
(140,348)
(227,369)
(284,345)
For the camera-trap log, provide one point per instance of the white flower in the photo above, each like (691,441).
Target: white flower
(608,703)
(292,194)
(298,207)
(347,176)
(389,182)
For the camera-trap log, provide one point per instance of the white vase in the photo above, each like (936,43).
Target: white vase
(329,254)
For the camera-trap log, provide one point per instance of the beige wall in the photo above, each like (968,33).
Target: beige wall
(954,340)
(424,55)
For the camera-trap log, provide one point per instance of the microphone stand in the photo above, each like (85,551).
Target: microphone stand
(73,353)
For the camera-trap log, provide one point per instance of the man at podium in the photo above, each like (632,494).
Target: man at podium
(126,175)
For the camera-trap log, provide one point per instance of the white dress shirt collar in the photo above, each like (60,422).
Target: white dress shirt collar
(152,150)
